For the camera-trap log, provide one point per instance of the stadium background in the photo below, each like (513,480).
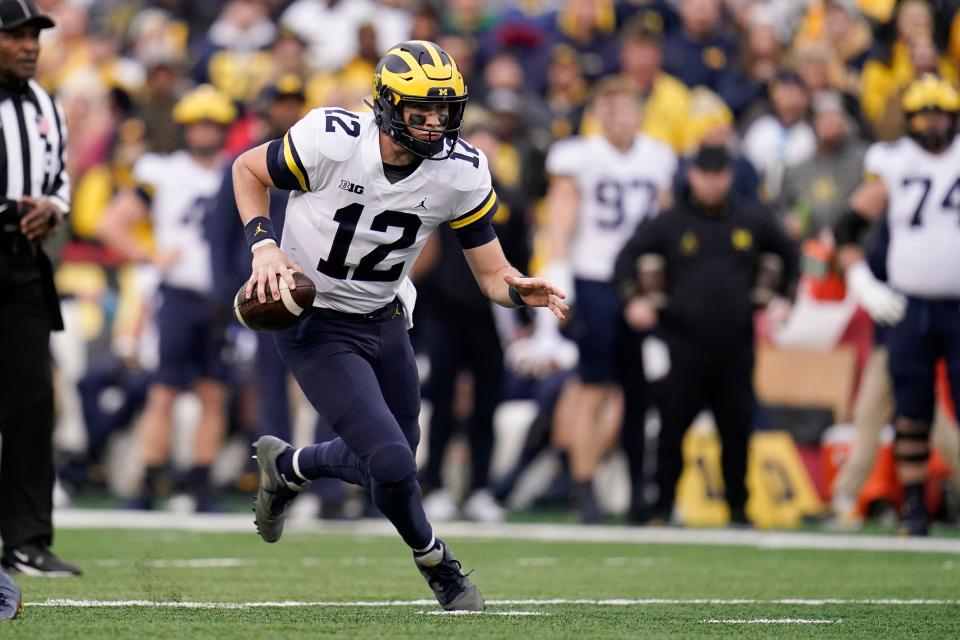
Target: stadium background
(702,65)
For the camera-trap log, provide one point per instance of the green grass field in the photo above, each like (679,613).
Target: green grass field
(313,573)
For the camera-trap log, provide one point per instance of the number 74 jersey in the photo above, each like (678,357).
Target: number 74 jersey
(923,214)
(355,234)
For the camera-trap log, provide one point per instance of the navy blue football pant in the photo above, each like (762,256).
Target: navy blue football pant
(930,329)
(361,376)
(455,343)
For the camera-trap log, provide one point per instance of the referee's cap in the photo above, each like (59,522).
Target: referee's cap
(14,13)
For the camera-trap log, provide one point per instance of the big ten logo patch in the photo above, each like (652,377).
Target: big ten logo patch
(780,490)
(352,187)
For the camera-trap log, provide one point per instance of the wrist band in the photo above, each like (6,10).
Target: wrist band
(259,230)
(515,297)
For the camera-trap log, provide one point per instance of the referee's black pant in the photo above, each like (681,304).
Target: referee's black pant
(701,378)
(26,417)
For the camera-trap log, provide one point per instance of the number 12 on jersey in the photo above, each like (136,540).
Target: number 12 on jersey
(347,217)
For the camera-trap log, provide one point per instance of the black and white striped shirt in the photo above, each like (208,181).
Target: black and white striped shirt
(33,140)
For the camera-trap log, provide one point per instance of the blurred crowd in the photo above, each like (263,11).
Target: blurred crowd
(795,89)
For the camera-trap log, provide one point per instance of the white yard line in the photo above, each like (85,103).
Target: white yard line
(482,613)
(611,602)
(771,621)
(114,519)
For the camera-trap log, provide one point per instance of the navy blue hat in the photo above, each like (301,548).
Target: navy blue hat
(14,13)
(712,159)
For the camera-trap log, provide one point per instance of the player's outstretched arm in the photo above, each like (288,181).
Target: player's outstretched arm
(867,203)
(251,182)
(497,278)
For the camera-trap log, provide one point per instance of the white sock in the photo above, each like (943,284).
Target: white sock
(296,464)
(429,547)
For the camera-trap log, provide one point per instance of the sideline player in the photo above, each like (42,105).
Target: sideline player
(601,188)
(916,180)
(370,190)
(173,193)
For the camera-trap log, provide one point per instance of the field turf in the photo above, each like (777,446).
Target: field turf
(208,585)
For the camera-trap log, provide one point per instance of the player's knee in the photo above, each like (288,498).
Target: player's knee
(392,463)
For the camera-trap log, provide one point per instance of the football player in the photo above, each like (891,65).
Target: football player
(917,182)
(601,188)
(172,195)
(369,189)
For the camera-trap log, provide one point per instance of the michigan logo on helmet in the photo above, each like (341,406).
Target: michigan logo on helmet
(204,103)
(421,72)
(931,104)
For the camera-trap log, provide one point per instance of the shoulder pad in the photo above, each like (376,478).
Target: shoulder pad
(466,169)
(338,131)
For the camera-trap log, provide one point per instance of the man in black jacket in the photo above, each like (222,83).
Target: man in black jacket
(698,272)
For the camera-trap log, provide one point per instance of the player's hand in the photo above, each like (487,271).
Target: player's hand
(41,220)
(560,275)
(884,305)
(270,264)
(537,292)
(640,313)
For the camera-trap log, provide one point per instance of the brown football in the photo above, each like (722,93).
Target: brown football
(275,315)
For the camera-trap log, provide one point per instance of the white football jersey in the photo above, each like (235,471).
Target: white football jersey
(180,189)
(355,234)
(923,213)
(617,191)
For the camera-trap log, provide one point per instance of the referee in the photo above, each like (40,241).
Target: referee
(34,198)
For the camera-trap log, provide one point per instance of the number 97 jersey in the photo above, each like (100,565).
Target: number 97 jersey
(618,190)
(923,214)
(355,233)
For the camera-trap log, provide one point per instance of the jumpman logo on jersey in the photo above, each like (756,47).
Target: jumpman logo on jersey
(259,230)
(423,204)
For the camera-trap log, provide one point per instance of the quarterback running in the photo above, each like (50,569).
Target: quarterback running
(369,188)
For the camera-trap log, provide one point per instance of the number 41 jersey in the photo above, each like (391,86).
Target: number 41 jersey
(923,213)
(355,234)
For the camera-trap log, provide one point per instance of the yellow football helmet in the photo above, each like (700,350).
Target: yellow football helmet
(418,71)
(925,97)
(931,93)
(204,103)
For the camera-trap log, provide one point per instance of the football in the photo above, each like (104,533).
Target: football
(275,315)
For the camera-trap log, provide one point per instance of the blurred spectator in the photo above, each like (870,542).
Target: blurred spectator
(349,85)
(691,272)
(601,188)
(817,192)
(588,27)
(701,51)
(467,17)
(837,26)
(234,55)
(163,88)
(783,137)
(566,93)
(425,25)
(289,55)
(892,122)
(890,69)
(665,109)
(711,124)
(172,190)
(329,27)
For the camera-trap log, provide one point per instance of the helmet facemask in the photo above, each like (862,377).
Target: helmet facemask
(936,140)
